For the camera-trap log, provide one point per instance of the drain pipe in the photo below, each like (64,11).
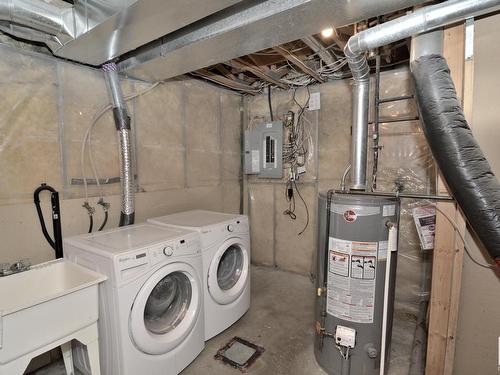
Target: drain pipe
(122,123)
(421,20)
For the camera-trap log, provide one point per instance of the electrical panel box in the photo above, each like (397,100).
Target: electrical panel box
(264,149)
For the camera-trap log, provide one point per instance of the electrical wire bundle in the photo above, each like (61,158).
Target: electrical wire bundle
(295,152)
(87,148)
(295,149)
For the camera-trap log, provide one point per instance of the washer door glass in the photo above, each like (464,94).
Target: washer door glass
(230,267)
(168,303)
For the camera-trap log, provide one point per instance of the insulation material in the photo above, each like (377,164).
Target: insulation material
(405,162)
(83,93)
(461,161)
(29,137)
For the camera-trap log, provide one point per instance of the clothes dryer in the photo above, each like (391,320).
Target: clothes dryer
(225,243)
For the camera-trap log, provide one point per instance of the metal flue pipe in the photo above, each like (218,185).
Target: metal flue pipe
(419,21)
(122,123)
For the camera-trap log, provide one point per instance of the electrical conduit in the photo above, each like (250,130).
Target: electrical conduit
(122,123)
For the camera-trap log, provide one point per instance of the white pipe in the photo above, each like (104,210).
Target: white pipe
(392,245)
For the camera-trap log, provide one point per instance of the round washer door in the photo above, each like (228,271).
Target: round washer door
(229,271)
(166,309)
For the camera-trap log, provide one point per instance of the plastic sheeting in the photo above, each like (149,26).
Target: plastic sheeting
(406,163)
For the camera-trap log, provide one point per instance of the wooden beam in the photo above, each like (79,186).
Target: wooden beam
(245,66)
(448,248)
(221,68)
(226,81)
(298,63)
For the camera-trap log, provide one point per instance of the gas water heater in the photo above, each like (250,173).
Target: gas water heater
(353,247)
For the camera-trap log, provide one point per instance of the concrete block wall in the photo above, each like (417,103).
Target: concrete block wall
(186,137)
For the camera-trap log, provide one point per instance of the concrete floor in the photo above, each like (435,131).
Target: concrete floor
(281,320)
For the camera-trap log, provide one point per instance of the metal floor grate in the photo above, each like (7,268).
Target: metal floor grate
(239,353)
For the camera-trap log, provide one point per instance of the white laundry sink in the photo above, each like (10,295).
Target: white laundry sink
(43,305)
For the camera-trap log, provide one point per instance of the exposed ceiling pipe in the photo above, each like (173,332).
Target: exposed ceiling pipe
(419,21)
(52,21)
(122,123)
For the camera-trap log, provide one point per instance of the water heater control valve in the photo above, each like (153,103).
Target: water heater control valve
(345,336)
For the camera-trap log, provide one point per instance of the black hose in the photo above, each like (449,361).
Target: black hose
(42,223)
(104,222)
(55,243)
(91,223)
(270,103)
(126,219)
(459,157)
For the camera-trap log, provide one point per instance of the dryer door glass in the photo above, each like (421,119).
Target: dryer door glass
(230,267)
(168,303)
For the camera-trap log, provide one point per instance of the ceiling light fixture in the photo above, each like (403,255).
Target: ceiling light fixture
(327,33)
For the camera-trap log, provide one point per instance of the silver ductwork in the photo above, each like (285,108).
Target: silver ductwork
(421,20)
(53,22)
(96,31)
(246,28)
(122,123)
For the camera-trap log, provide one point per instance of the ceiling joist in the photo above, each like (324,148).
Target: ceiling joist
(264,75)
(300,64)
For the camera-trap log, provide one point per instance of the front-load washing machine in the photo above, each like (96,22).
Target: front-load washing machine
(151,307)
(225,245)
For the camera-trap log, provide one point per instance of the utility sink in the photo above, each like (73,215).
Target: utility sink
(44,306)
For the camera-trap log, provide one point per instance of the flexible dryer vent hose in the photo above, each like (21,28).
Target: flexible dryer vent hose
(459,157)
(122,124)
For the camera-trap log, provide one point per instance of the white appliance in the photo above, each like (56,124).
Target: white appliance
(225,243)
(151,307)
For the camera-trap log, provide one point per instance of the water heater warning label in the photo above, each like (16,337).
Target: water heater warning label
(351,280)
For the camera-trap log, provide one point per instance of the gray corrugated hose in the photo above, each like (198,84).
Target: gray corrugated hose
(122,123)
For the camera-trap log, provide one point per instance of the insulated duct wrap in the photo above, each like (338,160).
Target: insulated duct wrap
(459,157)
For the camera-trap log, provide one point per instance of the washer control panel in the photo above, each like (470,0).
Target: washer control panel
(236,226)
(188,245)
(168,251)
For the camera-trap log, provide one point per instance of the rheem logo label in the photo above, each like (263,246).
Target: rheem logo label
(350,216)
